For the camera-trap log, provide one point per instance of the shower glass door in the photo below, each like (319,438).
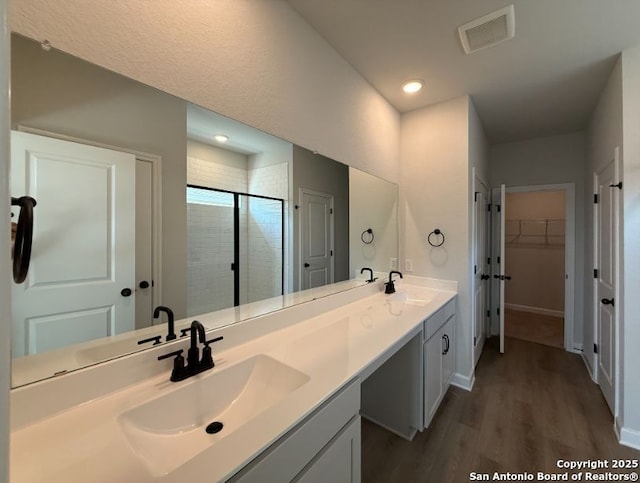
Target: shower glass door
(235,249)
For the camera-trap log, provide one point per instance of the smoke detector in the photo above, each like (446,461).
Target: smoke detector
(488,30)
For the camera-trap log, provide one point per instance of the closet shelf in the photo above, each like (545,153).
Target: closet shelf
(530,232)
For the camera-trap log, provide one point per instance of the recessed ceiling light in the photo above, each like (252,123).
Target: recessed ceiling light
(221,138)
(412,86)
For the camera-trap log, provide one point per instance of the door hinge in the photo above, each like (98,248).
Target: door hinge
(489,261)
(596,198)
(595,348)
(488,313)
(489,207)
(475,196)
(618,185)
(331,211)
(475,341)
(498,310)
(498,206)
(475,269)
(233,266)
(330,253)
(498,259)
(595,273)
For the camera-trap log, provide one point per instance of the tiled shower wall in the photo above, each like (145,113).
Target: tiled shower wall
(209,278)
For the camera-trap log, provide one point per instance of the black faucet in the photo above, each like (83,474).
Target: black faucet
(367,269)
(194,365)
(171,335)
(389,286)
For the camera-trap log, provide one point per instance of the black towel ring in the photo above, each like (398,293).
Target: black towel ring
(24,236)
(436,232)
(364,237)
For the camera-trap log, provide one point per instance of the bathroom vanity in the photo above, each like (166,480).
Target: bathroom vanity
(289,389)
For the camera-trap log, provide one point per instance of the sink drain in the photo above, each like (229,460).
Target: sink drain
(214,427)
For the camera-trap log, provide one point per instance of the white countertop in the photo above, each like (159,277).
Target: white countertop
(86,442)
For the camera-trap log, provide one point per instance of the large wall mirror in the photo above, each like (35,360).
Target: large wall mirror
(146,200)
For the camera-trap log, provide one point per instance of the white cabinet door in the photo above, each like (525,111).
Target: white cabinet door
(433,376)
(339,461)
(449,355)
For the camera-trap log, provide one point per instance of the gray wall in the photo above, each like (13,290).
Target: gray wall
(65,95)
(319,173)
(550,160)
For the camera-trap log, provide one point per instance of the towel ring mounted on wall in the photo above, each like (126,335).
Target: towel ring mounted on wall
(436,232)
(23,237)
(367,236)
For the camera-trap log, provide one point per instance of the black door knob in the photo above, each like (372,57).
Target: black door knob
(484,277)
(144,284)
(306,265)
(608,302)
(125,292)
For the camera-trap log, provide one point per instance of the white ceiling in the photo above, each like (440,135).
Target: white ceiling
(545,81)
(203,125)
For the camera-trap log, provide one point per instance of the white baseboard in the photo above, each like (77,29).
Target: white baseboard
(629,437)
(463,382)
(577,349)
(408,437)
(588,366)
(535,310)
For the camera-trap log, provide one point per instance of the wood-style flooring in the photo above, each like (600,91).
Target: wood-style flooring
(543,329)
(529,407)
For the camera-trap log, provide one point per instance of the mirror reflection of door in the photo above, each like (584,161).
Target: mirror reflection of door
(317,238)
(84,229)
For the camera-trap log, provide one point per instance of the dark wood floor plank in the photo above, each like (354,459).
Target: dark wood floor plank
(529,408)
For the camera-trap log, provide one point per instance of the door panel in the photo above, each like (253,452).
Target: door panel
(83,239)
(316,239)
(481,268)
(606,240)
(502,264)
(144,243)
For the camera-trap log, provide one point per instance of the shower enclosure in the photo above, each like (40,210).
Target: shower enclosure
(235,248)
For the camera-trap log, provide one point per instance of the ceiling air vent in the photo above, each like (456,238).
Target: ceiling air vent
(488,30)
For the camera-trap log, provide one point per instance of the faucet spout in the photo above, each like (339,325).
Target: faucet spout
(171,335)
(389,286)
(367,269)
(193,354)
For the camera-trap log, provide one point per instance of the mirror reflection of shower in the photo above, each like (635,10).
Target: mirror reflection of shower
(235,246)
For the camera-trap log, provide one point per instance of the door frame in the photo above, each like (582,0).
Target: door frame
(618,281)
(156,164)
(301,192)
(569,256)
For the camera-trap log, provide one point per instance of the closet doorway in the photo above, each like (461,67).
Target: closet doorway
(538,261)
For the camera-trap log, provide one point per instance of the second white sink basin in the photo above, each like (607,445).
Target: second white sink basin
(169,430)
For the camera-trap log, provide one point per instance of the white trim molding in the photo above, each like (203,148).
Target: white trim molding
(464,382)
(628,437)
(535,310)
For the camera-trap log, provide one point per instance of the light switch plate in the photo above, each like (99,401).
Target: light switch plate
(408,265)
(393,264)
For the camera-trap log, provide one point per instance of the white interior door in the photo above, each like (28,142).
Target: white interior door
(144,244)
(480,267)
(83,243)
(316,239)
(501,264)
(606,239)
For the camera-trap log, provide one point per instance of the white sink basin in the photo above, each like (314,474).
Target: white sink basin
(410,298)
(169,430)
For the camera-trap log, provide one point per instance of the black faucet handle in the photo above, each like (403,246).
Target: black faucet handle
(211,341)
(207,358)
(183,332)
(177,354)
(155,339)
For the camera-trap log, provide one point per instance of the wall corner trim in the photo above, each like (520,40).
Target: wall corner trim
(464,382)
(628,437)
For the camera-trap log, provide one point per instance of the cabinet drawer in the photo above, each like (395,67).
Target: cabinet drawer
(288,456)
(437,320)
